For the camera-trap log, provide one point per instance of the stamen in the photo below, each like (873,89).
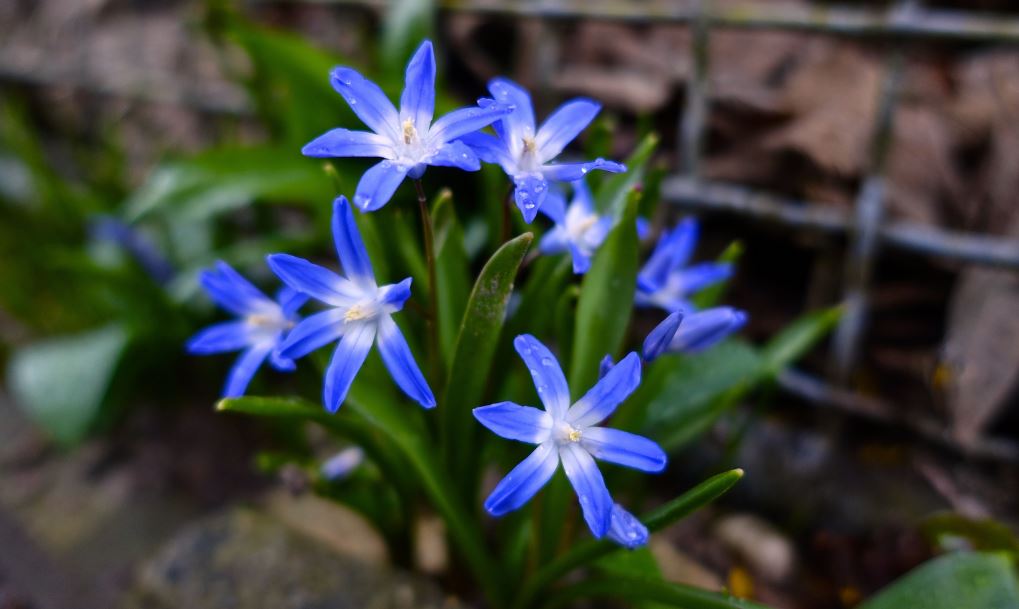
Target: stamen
(260,320)
(409,132)
(530,145)
(574,435)
(355,313)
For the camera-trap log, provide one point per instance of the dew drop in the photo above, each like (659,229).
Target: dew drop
(528,205)
(583,170)
(546,361)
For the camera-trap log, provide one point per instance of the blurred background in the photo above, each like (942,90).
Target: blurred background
(863,153)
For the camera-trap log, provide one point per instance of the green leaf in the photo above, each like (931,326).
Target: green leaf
(648,589)
(472,360)
(639,562)
(796,339)
(985,534)
(224,179)
(452,273)
(407,24)
(611,198)
(590,551)
(61,383)
(606,300)
(957,580)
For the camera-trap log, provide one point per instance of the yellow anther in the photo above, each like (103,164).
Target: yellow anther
(529,145)
(409,132)
(259,320)
(574,435)
(355,313)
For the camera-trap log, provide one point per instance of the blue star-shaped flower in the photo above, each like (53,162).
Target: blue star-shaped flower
(407,140)
(259,332)
(360,312)
(524,152)
(666,281)
(578,228)
(568,434)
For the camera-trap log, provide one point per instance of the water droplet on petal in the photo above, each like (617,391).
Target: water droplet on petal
(546,361)
(528,205)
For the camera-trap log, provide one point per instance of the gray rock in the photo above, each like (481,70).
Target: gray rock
(245,560)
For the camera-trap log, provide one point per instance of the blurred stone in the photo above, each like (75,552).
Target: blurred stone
(767,552)
(339,528)
(678,567)
(244,560)
(431,553)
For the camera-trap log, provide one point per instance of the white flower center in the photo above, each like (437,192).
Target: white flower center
(529,155)
(566,433)
(410,134)
(361,311)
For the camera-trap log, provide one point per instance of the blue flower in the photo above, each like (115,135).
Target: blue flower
(660,338)
(578,228)
(341,465)
(666,281)
(568,434)
(525,151)
(259,332)
(360,310)
(407,140)
(706,328)
(626,530)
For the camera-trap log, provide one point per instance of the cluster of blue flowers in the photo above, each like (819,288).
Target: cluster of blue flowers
(358,312)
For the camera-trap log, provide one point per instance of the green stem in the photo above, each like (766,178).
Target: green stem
(585,553)
(433,287)
(634,588)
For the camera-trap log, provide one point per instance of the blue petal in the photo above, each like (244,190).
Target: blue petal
(643,228)
(605,365)
(459,123)
(313,332)
(418,100)
(233,292)
(368,102)
(488,148)
(395,294)
(523,481)
(529,194)
(626,530)
(706,328)
(318,282)
(400,362)
(244,368)
(278,362)
(658,340)
(581,261)
(456,154)
(222,337)
(347,360)
(571,172)
(548,376)
(342,464)
(672,251)
(623,448)
(602,399)
(290,301)
(555,241)
(702,275)
(349,246)
(346,143)
(378,184)
(587,481)
(554,206)
(515,422)
(519,124)
(563,126)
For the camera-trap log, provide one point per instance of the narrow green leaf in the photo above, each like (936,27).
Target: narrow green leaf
(611,198)
(649,589)
(61,383)
(590,551)
(796,339)
(452,272)
(606,301)
(472,360)
(224,179)
(963,579)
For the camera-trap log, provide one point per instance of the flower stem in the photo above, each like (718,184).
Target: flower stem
(433,300)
